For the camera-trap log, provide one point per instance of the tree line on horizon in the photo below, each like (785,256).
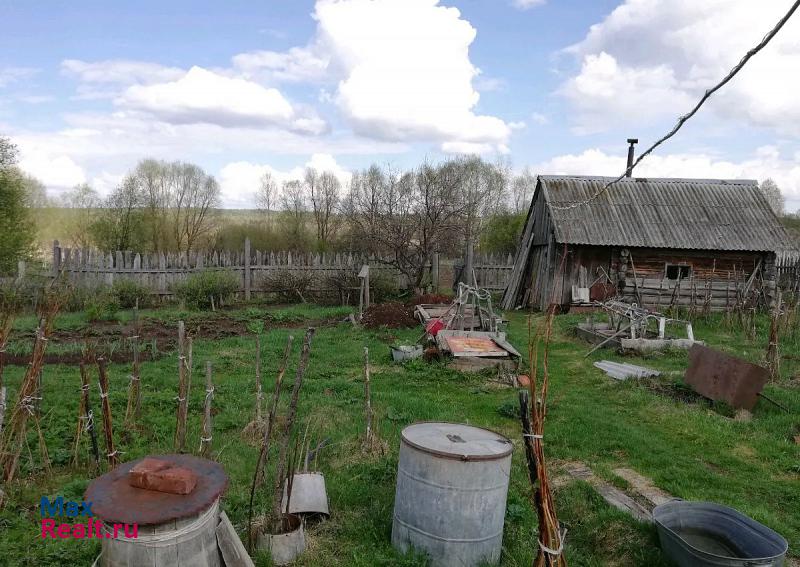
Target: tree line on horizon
(402,215)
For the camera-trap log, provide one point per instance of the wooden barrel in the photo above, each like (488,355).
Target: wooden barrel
(185,542)
(170,529)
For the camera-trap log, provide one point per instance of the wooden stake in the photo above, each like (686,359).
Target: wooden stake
(259,393)
(205,440)
(82,414)
(108,430)
(367,398)
(773,355)
(133,408)
(2,407)
(184,377)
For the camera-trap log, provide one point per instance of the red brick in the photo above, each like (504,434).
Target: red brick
(175,480)
(147,466)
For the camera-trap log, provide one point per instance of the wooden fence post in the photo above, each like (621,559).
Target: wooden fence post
(468,264)
(247,269)
(435,273)
(56,257)
(21,270)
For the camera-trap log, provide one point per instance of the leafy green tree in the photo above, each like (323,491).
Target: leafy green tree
(16,225)
(502,233)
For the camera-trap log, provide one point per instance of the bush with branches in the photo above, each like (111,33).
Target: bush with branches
(130,293)
(201,289)
(288,284)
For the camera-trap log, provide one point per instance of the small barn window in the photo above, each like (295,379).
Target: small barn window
(678,271)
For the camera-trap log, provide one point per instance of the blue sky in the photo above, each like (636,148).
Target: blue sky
(240,88)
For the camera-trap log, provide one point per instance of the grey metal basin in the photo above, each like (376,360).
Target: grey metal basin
(699,534)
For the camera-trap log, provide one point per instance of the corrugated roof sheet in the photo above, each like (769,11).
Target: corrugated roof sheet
(700,214)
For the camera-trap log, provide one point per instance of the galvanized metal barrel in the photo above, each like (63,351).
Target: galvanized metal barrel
(452,484)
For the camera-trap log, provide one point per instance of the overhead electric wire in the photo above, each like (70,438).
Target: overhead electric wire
(683,119)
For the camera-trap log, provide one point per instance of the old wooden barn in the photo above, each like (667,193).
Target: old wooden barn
(656,242)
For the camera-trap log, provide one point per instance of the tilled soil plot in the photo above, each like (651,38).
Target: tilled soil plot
(152,333)
(390,315)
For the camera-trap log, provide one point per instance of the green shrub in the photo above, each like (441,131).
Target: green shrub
(130,293)
(382,286)
(102,306)
(198,289)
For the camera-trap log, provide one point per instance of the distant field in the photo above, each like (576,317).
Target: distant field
(54,223)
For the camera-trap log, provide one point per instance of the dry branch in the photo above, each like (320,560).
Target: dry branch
(258,475)
(108,429)
(551,538)
(16,433)
(290,417)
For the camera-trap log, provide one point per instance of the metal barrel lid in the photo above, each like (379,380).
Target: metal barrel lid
(114,500)
(457,441)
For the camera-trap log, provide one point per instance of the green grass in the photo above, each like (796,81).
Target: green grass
(689,450)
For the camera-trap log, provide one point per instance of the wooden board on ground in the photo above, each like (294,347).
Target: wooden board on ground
(230,546)
(644,487)
(476,364)
(474,346)
(614,496)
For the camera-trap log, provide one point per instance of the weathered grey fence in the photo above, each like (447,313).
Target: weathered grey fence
(788,271)
(160,272)
(492,271)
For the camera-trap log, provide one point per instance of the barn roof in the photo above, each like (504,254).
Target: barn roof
(701,214)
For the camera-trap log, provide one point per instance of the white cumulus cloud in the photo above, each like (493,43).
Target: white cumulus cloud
(527,4)
(606,94)
(56,171)
(203,96)
(658,55)
(406,71)
(10,75)
(306,64)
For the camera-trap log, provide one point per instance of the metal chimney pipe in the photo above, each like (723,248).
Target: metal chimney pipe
(629,168)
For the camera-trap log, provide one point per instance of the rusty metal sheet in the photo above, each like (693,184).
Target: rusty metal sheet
(722,377)
(114,500)
(474,346)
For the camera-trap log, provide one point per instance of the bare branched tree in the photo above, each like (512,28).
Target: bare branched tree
(403,219)
(323,190)
(267,196)
(522,188)
(774,196)
(85,203)
(294,208)
(194,195)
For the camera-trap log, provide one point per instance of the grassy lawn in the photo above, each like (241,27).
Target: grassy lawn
(691,450)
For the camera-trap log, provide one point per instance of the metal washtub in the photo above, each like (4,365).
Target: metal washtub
(699,534)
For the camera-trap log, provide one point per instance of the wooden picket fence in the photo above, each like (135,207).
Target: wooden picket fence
(160,272)
(788,271)
(493,270)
